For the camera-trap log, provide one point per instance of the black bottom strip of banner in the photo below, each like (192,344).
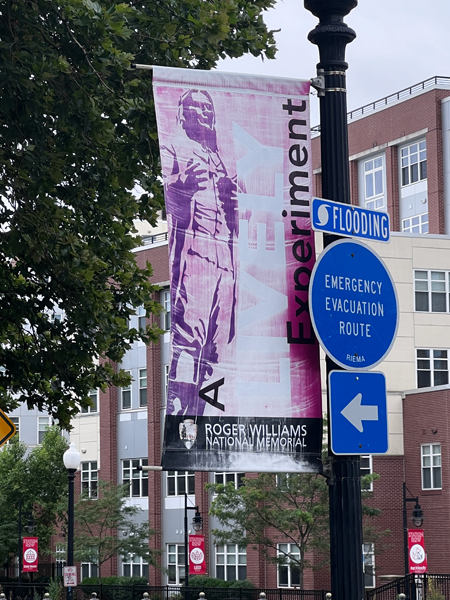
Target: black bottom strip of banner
(247,444)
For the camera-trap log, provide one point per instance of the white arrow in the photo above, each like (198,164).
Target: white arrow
(356,413)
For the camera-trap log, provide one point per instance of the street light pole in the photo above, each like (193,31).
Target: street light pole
(72,460)
(417,520)
(332,35)
(197,525)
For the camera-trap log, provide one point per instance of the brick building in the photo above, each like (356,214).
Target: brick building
(400,163)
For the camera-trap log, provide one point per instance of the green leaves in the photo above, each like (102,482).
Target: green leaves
(77,133)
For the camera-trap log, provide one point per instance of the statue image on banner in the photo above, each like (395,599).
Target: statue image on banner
(201,204)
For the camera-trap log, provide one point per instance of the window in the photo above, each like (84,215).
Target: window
(431,289)
(231,562)
(180,482)
(369,565)
(224,478)
(431,467)
(60,558)
(175,564)
(93,395)
(142,318)
(166,382)
(432,368)
(15,420)
(416,224)
(374,183)
(165,301)
(137,480)
(134,565)
(88,570)
(43,424)
(89,478)
(414,162)
(126,395)
(366,469)
(142,387)
(289,573)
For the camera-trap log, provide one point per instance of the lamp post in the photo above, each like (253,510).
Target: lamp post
(72,459)
(332,35)
(197,524)
(417,519)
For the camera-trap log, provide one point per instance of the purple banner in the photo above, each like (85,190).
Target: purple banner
(244,387)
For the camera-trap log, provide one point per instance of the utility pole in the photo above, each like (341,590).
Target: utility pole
(332,35)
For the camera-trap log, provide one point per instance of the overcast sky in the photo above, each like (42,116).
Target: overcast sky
(399,43)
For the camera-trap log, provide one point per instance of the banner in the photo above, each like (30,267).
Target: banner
(244,389)
(30,554)
(197,562)
(416,551)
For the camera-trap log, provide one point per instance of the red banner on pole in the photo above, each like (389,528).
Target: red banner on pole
(197,563)
(30,554)
(416,551)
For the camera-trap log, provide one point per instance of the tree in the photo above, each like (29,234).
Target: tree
(77,134)
(279,512)
(105,528)
(38,482)
(271,510)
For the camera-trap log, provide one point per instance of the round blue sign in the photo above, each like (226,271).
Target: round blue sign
(353,305)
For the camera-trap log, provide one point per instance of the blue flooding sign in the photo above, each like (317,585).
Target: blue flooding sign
(353,305)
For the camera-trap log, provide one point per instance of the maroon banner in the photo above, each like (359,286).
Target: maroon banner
(30,554)
(197,563)
(416,551)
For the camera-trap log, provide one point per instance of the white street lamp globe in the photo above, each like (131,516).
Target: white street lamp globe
(72,458)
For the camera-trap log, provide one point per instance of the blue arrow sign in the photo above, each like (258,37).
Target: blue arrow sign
(353,305)
(358,412)
(350,221)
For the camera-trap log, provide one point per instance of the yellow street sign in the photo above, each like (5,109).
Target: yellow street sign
(7,428)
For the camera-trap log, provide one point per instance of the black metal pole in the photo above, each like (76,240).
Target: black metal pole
(19,544)
(70,512)
(186,548)
(332,35)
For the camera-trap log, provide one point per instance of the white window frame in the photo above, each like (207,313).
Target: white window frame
(137,480)
(180,482)
(16,421)
(175,564)
(230,557)
(93,395)
(166,383)
(225,477)
(92,569)
(367,469)
(134,566)
(166,316)
(375,201)
(411,155)
(369,565)
(290,568)
(437,367)
(142,318)
(433,452)
(142,379)
(60,558)
(89,479)
(42,422)
(128,391)
(432,289)
(416,224)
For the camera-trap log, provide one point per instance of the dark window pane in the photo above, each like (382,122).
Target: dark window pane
(191,484)
(423,170)
(295,575)
(136,488)
(143,397)
(137,570)
(423,379)
(172,574)
(422,301)
(440,378)
(283,575)
(437,477)
(414,173)
(126,570)
(405,177)
(126,481)
(144,488)
(181,485)
(231,572)
(171,486)
(145,571)
(426,474)
(438,302)
(242,573)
